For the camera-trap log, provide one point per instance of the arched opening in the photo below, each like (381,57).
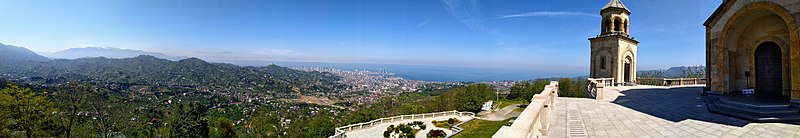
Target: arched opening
(768,69)
(607,26)
(627,74)
(617,25)
(744,32)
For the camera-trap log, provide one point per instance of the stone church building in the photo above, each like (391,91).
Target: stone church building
(613,53)
(754,44)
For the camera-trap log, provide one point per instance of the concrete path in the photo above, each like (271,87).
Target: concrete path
(503,114)
(651,111)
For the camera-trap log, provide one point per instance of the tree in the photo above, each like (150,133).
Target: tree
(189,120)
(109,113)
(72,98)
(525,90)
(264,124)
(569,88)
(519,90)
(320,125)
(22,109)
(224,128)
(565,87)
(473,96)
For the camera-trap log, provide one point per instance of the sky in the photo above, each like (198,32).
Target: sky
(547,35)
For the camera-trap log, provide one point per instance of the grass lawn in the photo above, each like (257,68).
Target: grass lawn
(504,103)
(480,128)
(444,123)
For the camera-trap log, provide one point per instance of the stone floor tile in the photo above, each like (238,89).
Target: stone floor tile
(662,113)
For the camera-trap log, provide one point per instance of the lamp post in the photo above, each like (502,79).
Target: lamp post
(497,95)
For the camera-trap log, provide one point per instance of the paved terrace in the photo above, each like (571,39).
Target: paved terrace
(653,111)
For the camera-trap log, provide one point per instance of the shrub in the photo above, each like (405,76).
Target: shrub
(386,134)
(404,128)
(436,134)
(451,121)
(422,126)
(418,122)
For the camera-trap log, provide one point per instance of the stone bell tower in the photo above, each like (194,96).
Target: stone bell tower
(614,50)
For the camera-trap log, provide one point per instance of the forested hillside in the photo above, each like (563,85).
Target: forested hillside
(145,74)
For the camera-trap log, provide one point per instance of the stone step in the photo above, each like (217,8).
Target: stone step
(715,108)
(753,106)
(759,112)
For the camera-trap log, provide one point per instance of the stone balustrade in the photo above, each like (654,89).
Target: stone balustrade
(340,131)
(595,88)
(533,121)
(604,81)
(670,81)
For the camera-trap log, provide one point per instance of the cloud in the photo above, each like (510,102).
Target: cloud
(467,11)
(548,14)
(423,23)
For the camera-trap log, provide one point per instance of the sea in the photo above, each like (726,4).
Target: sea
(429,73)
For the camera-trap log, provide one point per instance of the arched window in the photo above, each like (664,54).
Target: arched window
(603,62)
(617,25)
(607,28)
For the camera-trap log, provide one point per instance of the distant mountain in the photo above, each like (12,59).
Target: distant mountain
(674,72)
(108,52)
(187,75)
(15,53)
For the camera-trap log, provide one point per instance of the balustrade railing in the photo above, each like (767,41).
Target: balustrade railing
(533,121)
(340,131)
(604,81)
(595,88)
(670,81)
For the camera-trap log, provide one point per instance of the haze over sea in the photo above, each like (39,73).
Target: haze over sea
(429,73)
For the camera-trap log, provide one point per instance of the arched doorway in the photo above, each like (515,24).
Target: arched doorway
(627,69)
(755,22)
(768,69)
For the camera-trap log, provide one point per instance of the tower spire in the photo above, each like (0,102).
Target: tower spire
(615,4)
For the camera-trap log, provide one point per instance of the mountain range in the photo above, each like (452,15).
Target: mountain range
(107,52)
(674,72)
(160,75)
(15,53)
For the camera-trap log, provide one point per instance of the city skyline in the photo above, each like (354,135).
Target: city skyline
(542,35)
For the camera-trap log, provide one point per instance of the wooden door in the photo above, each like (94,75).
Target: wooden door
(769,79)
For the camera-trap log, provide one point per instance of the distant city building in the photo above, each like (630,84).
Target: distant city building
(755,44)
(613,53)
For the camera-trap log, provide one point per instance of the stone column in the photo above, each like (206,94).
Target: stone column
(611,26)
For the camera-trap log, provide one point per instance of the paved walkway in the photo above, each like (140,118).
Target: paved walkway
(503,114)
(650,111)
(377,130)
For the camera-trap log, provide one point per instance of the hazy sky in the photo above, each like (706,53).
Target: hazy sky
(512,34)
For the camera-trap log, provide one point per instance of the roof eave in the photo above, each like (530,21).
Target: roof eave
(615,8)
(718,12)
